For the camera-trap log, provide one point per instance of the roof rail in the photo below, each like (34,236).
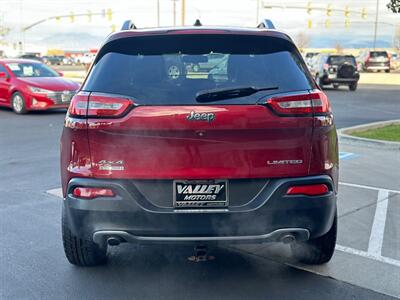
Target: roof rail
(128,25)
(197,23)
(266,24)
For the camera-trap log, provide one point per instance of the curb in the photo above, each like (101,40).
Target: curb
(346,138)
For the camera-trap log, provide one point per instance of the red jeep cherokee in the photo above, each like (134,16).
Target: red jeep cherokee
(199,135)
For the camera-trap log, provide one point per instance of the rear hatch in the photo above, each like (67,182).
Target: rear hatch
(147,121)
(378,58)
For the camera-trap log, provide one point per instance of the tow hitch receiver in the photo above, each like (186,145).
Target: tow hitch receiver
(200,254)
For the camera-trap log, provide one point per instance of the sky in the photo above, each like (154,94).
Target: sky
(18,14)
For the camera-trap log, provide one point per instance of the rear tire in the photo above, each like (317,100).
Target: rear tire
(81,251)
(319,81)
(335,86)
(387,71)
(18,103)
(353,86)
(319,250)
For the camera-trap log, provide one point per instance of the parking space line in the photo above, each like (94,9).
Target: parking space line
(55,192)
(368,187)
(378,225)
(365,254)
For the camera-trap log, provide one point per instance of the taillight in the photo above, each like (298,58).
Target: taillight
(95,105)
(107,106)
(325,67)
(92,192)
(301,104)
(78,105)
(308,190)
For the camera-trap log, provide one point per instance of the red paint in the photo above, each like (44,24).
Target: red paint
(11,84)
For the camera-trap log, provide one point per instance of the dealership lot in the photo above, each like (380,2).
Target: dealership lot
(366,264)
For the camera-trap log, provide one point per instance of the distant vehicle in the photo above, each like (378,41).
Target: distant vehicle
(31,56)
(85,59)
(67,61)
(374,61)
(53,59)
(30,85)
(336,70)
(308,57)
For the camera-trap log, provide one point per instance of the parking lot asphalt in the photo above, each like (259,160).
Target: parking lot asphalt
(366,264)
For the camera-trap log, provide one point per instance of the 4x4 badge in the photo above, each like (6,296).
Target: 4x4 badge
(194,116)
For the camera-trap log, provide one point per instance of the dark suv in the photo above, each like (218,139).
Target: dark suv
(336,70)
(153,152)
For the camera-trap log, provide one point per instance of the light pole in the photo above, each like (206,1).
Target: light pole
(258,11)
(174,10)
(158,13)
(376,22)
(183,12)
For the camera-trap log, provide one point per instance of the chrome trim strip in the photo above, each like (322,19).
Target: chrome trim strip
(301,234)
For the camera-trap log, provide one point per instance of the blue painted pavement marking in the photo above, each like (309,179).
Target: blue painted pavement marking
(347,155)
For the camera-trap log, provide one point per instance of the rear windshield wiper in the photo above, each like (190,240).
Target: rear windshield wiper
(227,93)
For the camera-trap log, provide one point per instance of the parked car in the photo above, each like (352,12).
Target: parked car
(31,56)
(53,59)
(30,85)
(309,56)
(150,156)
(374,61)
(336,70)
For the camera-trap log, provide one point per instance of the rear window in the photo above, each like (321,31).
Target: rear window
(339,60)
(378,54)
(171,70)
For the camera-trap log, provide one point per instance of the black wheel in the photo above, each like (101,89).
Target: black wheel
(18,103)
(81,251)
(319,250)
(335,86)
(318,81)
(353,86)
(387,71)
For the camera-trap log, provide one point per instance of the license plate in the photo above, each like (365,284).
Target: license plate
(200,194)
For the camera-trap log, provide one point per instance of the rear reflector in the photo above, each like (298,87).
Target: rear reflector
(97,105)
(301,104)
(91,192)
(309,190)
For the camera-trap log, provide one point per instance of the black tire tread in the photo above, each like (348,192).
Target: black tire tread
(319,250)
(81,251)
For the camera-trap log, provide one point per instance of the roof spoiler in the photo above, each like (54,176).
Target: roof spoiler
(128,25)
(266,24)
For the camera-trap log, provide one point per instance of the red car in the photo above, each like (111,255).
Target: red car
(31,85)
(154,152)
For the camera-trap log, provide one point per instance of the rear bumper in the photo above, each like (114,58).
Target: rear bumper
(269,217)
(327,80)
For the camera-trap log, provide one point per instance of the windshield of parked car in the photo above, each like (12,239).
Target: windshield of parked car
(30,69)
(339,60)
(378,54)
(173,69)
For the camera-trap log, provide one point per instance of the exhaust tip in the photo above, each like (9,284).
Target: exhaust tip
(288,239)
(114,241)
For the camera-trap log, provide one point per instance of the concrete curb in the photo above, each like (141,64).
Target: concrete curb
(346,138)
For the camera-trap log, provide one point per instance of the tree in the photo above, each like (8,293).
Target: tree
(394,6)
(338,48)
(302,40)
